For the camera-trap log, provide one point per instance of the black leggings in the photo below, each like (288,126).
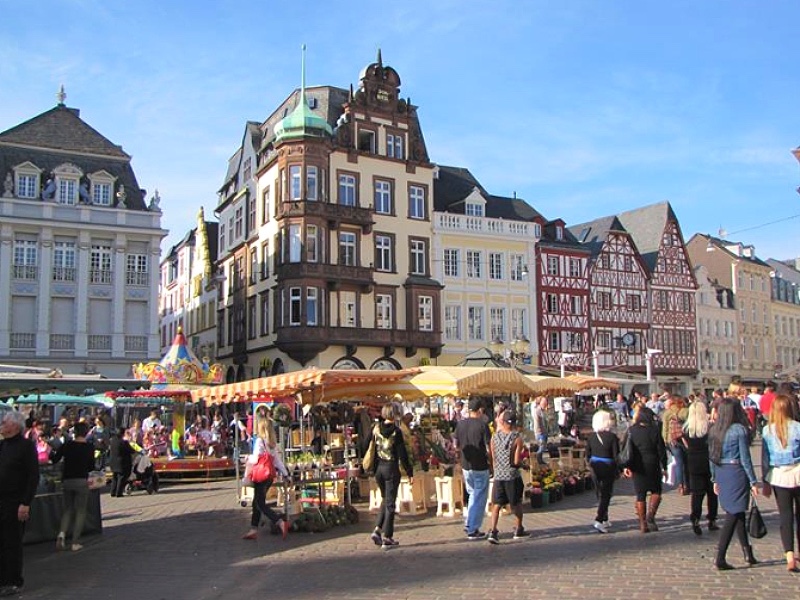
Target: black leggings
(260,504)
(697,505)
(604,476)
(733,523)
(788,501)
(387,477)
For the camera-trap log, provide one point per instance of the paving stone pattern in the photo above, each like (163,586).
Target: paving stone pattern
(185,542)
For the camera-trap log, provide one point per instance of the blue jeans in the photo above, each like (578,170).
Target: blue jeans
(541,439)
(477,483)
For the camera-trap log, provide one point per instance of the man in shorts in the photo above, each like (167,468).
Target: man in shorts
(506,452)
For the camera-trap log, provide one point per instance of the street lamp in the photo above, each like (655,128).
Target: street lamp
(518,351)
(648,358)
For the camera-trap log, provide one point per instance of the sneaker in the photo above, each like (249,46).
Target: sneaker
(61,543)
(250,535)
(389,543)
(376,538)
(10,590)
(607,524)
(712,525)
(76,547)
(493,537)
(520,533)
(476,535)
(600,527)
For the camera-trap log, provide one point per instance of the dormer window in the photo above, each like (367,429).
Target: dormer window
(67,178)
(394,146)
(559,232)
(537,230)
(473,209)
(102,188)
(27,177)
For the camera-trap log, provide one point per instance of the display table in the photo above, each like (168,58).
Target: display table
(46,511)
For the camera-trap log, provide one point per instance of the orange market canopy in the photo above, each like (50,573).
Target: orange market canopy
(589,386)
(448,381)
(314,384)
(553,386)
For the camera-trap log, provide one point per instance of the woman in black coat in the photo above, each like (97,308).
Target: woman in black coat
(698,469)
(121,461)
(648,461)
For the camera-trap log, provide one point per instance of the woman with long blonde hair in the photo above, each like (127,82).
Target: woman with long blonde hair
(264,442)
(698,471)
(780,465)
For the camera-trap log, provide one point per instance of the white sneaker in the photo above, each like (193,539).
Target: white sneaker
(601,527)
(607,524)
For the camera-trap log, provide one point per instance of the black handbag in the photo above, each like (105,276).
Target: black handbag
(755,522)
(624,457)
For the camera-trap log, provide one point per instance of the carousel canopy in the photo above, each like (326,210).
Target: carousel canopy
(179,366)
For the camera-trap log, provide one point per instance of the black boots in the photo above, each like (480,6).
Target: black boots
(696,527)
(748,555)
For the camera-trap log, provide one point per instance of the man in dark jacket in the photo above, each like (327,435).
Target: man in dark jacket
(120,461)
(19,477)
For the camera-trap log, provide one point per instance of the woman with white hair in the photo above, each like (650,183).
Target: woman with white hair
(698,468)
(602,448)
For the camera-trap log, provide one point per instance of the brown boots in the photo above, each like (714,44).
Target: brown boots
(641,512)
(655,500)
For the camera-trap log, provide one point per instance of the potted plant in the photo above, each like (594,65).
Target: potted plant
(538,497)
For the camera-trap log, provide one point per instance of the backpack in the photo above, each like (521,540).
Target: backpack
(385,445)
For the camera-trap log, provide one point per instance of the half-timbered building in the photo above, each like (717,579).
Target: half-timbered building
(562,299)
(672,340)
(618,302)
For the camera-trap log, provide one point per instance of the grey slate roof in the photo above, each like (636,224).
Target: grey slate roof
(59,136)
(456,183)
(722,245)
(593,234)
(646,226)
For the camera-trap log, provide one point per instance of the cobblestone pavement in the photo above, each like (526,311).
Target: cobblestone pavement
(185,542)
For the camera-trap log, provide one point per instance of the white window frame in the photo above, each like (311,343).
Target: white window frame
(383,311)
(575,267)
(394,146)
(295,183)
(473,209)
(312,243)
(295,306)
(495,266)
(312,306)
(452,322)
(27,180)
(64,260)
(348,194)
(452,260)
(497,323)
(475,322)
(383,197)
(136,269)
(519,323)
(101,188)
(100,264)
(312,183)
(295,242)
(348,254)
(417,208)
(474,260)
(418,251)
(517,267)
(425,313)
(553,267)
(552,304)
(383,253)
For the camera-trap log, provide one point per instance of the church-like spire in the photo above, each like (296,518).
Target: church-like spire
(380,58)
(303,74)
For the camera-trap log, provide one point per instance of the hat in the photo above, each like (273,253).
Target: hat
(510,416)
(475,403)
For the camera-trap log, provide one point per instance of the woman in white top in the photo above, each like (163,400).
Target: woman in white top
(265,442)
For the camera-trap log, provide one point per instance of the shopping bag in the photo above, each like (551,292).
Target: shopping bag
(755,522)
(368,462)
(264,469)
(625,454)
(670,477)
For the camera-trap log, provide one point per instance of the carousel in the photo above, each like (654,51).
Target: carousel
(175,448)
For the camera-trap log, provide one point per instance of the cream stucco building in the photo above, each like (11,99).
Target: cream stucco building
(717,333)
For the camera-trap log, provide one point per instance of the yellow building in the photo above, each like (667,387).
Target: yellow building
(483,246)
(325,235)
(735,265)
(786,316)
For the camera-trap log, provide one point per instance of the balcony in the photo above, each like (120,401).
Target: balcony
(64,273)
(136,343)
(101,276)
(333,213)
(23,341)
(28,272)
(303,343)
(484,225)
(62,341)
(99,343)
(335,275)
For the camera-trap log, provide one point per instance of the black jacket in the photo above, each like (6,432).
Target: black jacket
(121,455)
(19,470)
(399,455)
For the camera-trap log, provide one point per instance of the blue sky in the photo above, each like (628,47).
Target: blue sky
(583,108)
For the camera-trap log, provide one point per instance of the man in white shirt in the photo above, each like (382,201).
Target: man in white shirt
(151,422)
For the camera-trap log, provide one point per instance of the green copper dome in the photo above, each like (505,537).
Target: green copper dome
(302,122)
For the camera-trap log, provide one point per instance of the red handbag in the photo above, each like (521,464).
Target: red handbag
(264,469)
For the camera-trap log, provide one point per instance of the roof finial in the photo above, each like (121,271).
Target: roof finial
(61,95)
(303,75)
(380,59)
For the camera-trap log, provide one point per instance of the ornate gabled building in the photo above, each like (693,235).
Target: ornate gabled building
(618,305)
(562,299)
(735,265)
(79,249)
(672,340)
(328,260)
(188,295)
(717,333)
(483,247)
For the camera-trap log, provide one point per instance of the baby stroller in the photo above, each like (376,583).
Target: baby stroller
(143,476)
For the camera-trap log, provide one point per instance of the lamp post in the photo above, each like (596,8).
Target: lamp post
(596,363)
(648,359)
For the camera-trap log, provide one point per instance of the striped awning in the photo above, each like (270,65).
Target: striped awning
(593,385)
(553,386)
(315,385)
